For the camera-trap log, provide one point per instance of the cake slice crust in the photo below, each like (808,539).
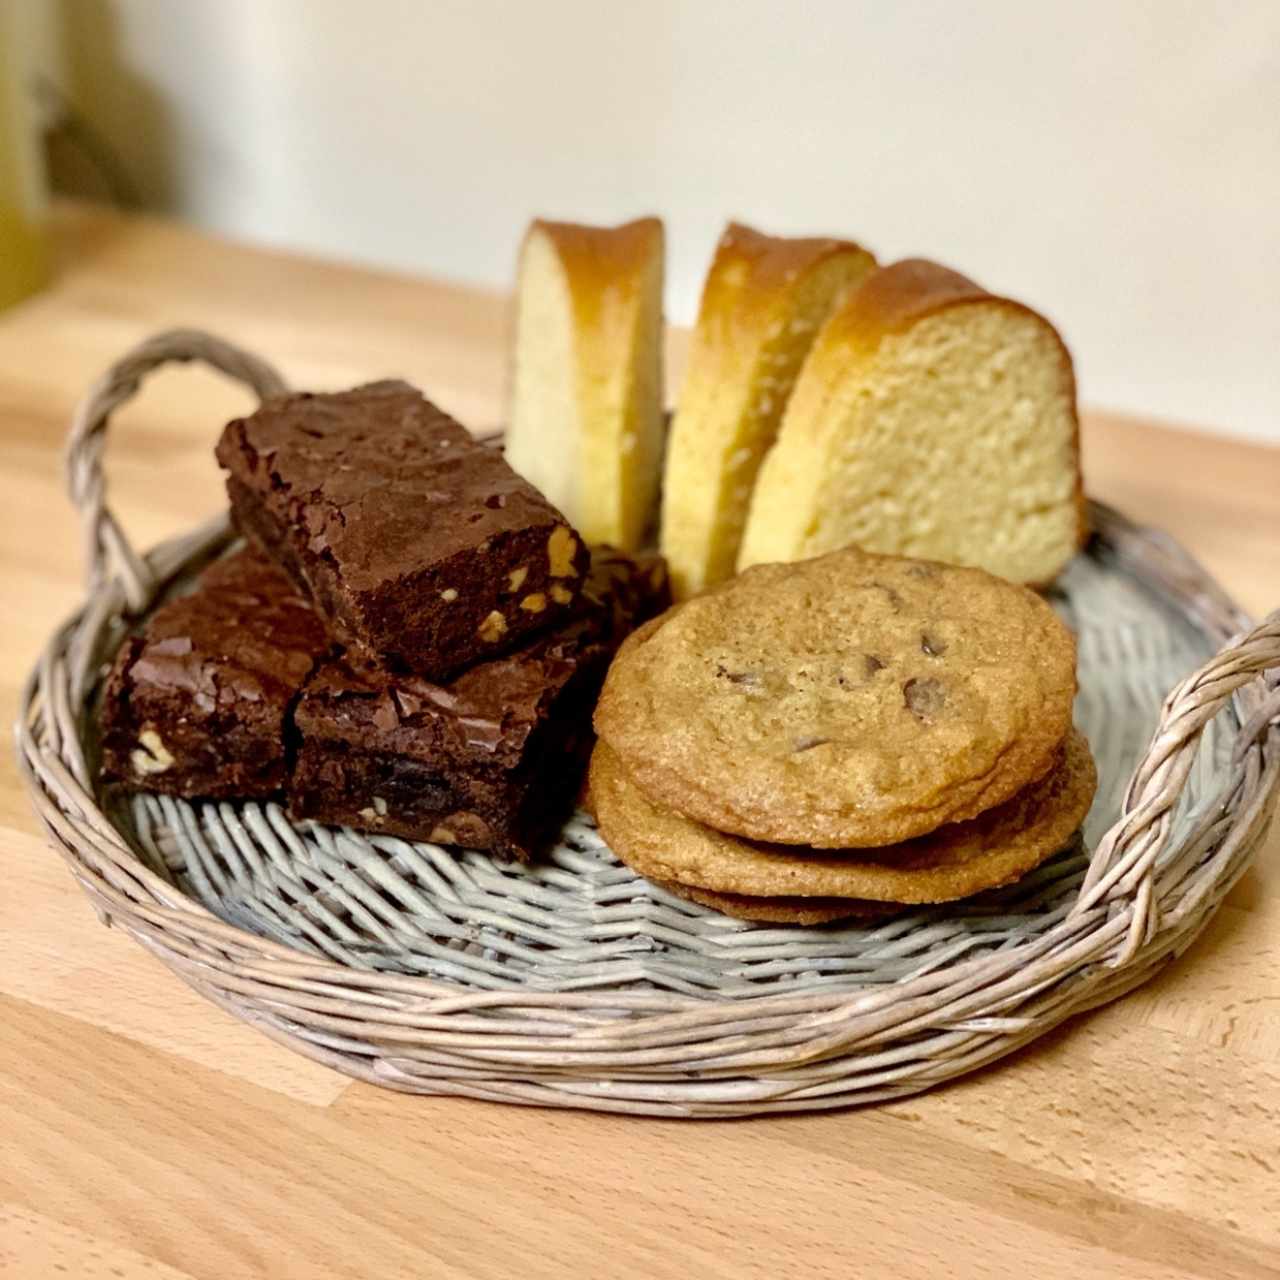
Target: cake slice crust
(763,301)
(931,419)
(586,422)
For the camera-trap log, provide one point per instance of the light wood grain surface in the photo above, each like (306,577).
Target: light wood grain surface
(145,1133)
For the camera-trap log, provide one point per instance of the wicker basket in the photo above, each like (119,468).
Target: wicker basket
(575,983)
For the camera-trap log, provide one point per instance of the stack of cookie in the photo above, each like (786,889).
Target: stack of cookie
(841,737)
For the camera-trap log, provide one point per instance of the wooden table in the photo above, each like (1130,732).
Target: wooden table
(145,1133)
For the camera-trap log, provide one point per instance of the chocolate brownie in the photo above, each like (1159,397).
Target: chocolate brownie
(490,760)
(419,545)
(630,588)
(198,702)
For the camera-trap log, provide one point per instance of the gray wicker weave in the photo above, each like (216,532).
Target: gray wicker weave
(575,983)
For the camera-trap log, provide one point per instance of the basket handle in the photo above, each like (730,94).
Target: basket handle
(107,549)
(1123,864)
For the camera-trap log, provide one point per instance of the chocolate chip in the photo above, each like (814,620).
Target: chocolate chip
(924,698)
(871,664)
(934,646)
(496,501)
(807,744)
(894,597)
(748,678)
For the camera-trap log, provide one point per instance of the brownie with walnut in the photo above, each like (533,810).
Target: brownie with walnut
(199,702)
(492,759)
(421,546)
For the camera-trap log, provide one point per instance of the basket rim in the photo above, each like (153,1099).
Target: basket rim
(1118,933)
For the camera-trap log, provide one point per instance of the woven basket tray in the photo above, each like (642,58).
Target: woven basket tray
(576,983)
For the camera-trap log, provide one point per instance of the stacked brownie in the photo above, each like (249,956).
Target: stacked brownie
(412,643)
(199,703)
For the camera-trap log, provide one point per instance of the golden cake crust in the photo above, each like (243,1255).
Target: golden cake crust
(586,418)
(599,259)
(890,301)
(769,263)
(893,298)
(763,300)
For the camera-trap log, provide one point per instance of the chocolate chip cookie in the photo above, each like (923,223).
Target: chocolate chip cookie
(854,700)
(953,862)
(781,910)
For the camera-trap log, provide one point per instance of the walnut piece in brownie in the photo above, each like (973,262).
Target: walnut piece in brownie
(490,760)
(198,702)
(418,544)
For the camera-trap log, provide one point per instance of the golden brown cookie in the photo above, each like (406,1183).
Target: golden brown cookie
(953,862)
(853,700)
(782,910)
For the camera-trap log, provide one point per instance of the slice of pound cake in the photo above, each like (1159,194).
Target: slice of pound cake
(586,420)
(764,299)
(930,419)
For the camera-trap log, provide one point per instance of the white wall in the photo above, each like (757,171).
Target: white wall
(1114,162)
